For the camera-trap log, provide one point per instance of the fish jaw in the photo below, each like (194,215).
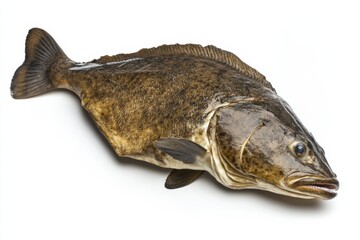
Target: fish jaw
(313,186)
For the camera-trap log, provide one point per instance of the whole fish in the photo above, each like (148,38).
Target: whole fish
(188,108)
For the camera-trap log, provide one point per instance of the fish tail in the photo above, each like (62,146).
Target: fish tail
(33,76)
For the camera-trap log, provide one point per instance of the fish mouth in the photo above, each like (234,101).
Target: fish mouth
(317,187)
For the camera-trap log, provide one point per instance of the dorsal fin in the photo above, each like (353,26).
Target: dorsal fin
(210,52)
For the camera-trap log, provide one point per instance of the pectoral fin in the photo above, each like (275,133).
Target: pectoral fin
(181,177)
(181,149)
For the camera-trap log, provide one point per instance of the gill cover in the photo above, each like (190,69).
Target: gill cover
(273,149)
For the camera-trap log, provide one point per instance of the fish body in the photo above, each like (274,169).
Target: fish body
(188,108)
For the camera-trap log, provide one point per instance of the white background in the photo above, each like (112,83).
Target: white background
(59,179)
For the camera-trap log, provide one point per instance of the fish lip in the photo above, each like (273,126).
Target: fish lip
(315,186)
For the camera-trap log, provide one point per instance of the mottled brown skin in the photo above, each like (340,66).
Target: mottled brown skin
(156,97)
(250,136)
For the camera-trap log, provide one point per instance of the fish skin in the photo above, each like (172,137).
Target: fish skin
(174,106)
(199,94)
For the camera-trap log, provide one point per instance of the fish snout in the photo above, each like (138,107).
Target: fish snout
(314,186)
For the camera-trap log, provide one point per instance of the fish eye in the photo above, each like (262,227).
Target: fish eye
(298,149)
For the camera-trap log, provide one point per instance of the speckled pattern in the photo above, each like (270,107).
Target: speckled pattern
(143,100)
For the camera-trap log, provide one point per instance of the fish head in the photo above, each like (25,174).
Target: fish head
(269,147)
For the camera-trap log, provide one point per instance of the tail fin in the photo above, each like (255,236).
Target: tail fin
(32,77)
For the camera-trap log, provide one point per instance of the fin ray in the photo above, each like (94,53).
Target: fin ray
(181,149)
(181,177)
(32,77)
(210,52)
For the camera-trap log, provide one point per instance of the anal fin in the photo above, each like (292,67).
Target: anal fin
(181,177)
